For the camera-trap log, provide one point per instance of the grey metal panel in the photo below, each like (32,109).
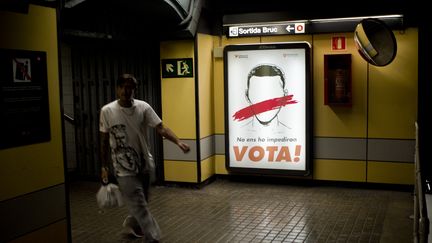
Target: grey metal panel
(220,144)
(340,148)
(207,147)
(173,152)
(391,150)
(32,211)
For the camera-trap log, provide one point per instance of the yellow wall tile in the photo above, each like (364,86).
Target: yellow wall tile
(207,168)
(339,170)
(180,171)
(390,172)
(205,79)
(220,167)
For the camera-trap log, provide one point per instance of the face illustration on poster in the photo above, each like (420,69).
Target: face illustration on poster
(266,95)
(261,78)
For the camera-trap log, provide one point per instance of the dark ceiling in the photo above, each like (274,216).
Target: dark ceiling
(283,10)
(320,9)
(143,17)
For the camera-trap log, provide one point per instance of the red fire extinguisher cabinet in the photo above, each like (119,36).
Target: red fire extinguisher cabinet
(337,80)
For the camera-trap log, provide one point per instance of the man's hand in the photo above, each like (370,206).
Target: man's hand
(104,175)
(104,153)
(184,147)
(168,134)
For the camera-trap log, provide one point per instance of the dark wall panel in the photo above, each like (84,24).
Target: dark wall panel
(95,68)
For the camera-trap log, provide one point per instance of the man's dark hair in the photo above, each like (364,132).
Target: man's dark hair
(126,77)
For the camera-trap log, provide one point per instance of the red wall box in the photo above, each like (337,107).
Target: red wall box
(337,80)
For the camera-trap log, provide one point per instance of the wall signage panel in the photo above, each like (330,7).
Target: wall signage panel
(267,108)
(261,30)
(24,106)
(177,68)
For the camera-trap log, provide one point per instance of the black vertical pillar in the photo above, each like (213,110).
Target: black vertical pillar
(425,97)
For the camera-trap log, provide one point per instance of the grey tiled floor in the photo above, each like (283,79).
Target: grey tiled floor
(233,211)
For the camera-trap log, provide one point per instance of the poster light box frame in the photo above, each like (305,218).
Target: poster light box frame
(268,109)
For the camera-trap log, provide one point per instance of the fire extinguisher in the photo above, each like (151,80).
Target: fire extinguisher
(340,85)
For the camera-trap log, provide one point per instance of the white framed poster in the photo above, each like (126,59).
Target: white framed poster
(267,108)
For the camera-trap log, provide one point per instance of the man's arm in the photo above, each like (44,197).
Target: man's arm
(168,134)
(104,155)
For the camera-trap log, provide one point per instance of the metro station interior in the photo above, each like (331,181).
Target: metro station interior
(351,164)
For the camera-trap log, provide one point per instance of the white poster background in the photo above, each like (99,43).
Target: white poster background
(281,135)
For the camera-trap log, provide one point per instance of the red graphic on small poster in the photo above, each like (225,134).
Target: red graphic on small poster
(21,69)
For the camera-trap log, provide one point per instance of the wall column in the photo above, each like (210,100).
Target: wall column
(187,108)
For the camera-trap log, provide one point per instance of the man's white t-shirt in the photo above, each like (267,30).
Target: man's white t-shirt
(127,128)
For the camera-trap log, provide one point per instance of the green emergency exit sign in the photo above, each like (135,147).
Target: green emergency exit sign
(177,68)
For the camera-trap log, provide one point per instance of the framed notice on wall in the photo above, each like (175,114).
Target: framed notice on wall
(24,103)
(267,108)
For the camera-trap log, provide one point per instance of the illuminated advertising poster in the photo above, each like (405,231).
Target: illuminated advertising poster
(266,108)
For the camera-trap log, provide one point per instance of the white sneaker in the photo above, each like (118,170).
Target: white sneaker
(132,227)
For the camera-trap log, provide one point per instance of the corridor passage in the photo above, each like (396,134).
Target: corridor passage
(237,211)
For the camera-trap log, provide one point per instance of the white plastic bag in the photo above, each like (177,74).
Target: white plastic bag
(109,196)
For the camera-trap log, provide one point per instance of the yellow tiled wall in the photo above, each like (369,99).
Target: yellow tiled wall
(384,105)
(33,172)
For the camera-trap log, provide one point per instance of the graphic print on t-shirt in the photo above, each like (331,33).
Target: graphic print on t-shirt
(124,155)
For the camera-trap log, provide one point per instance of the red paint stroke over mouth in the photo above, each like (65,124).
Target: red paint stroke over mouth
(263,106)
